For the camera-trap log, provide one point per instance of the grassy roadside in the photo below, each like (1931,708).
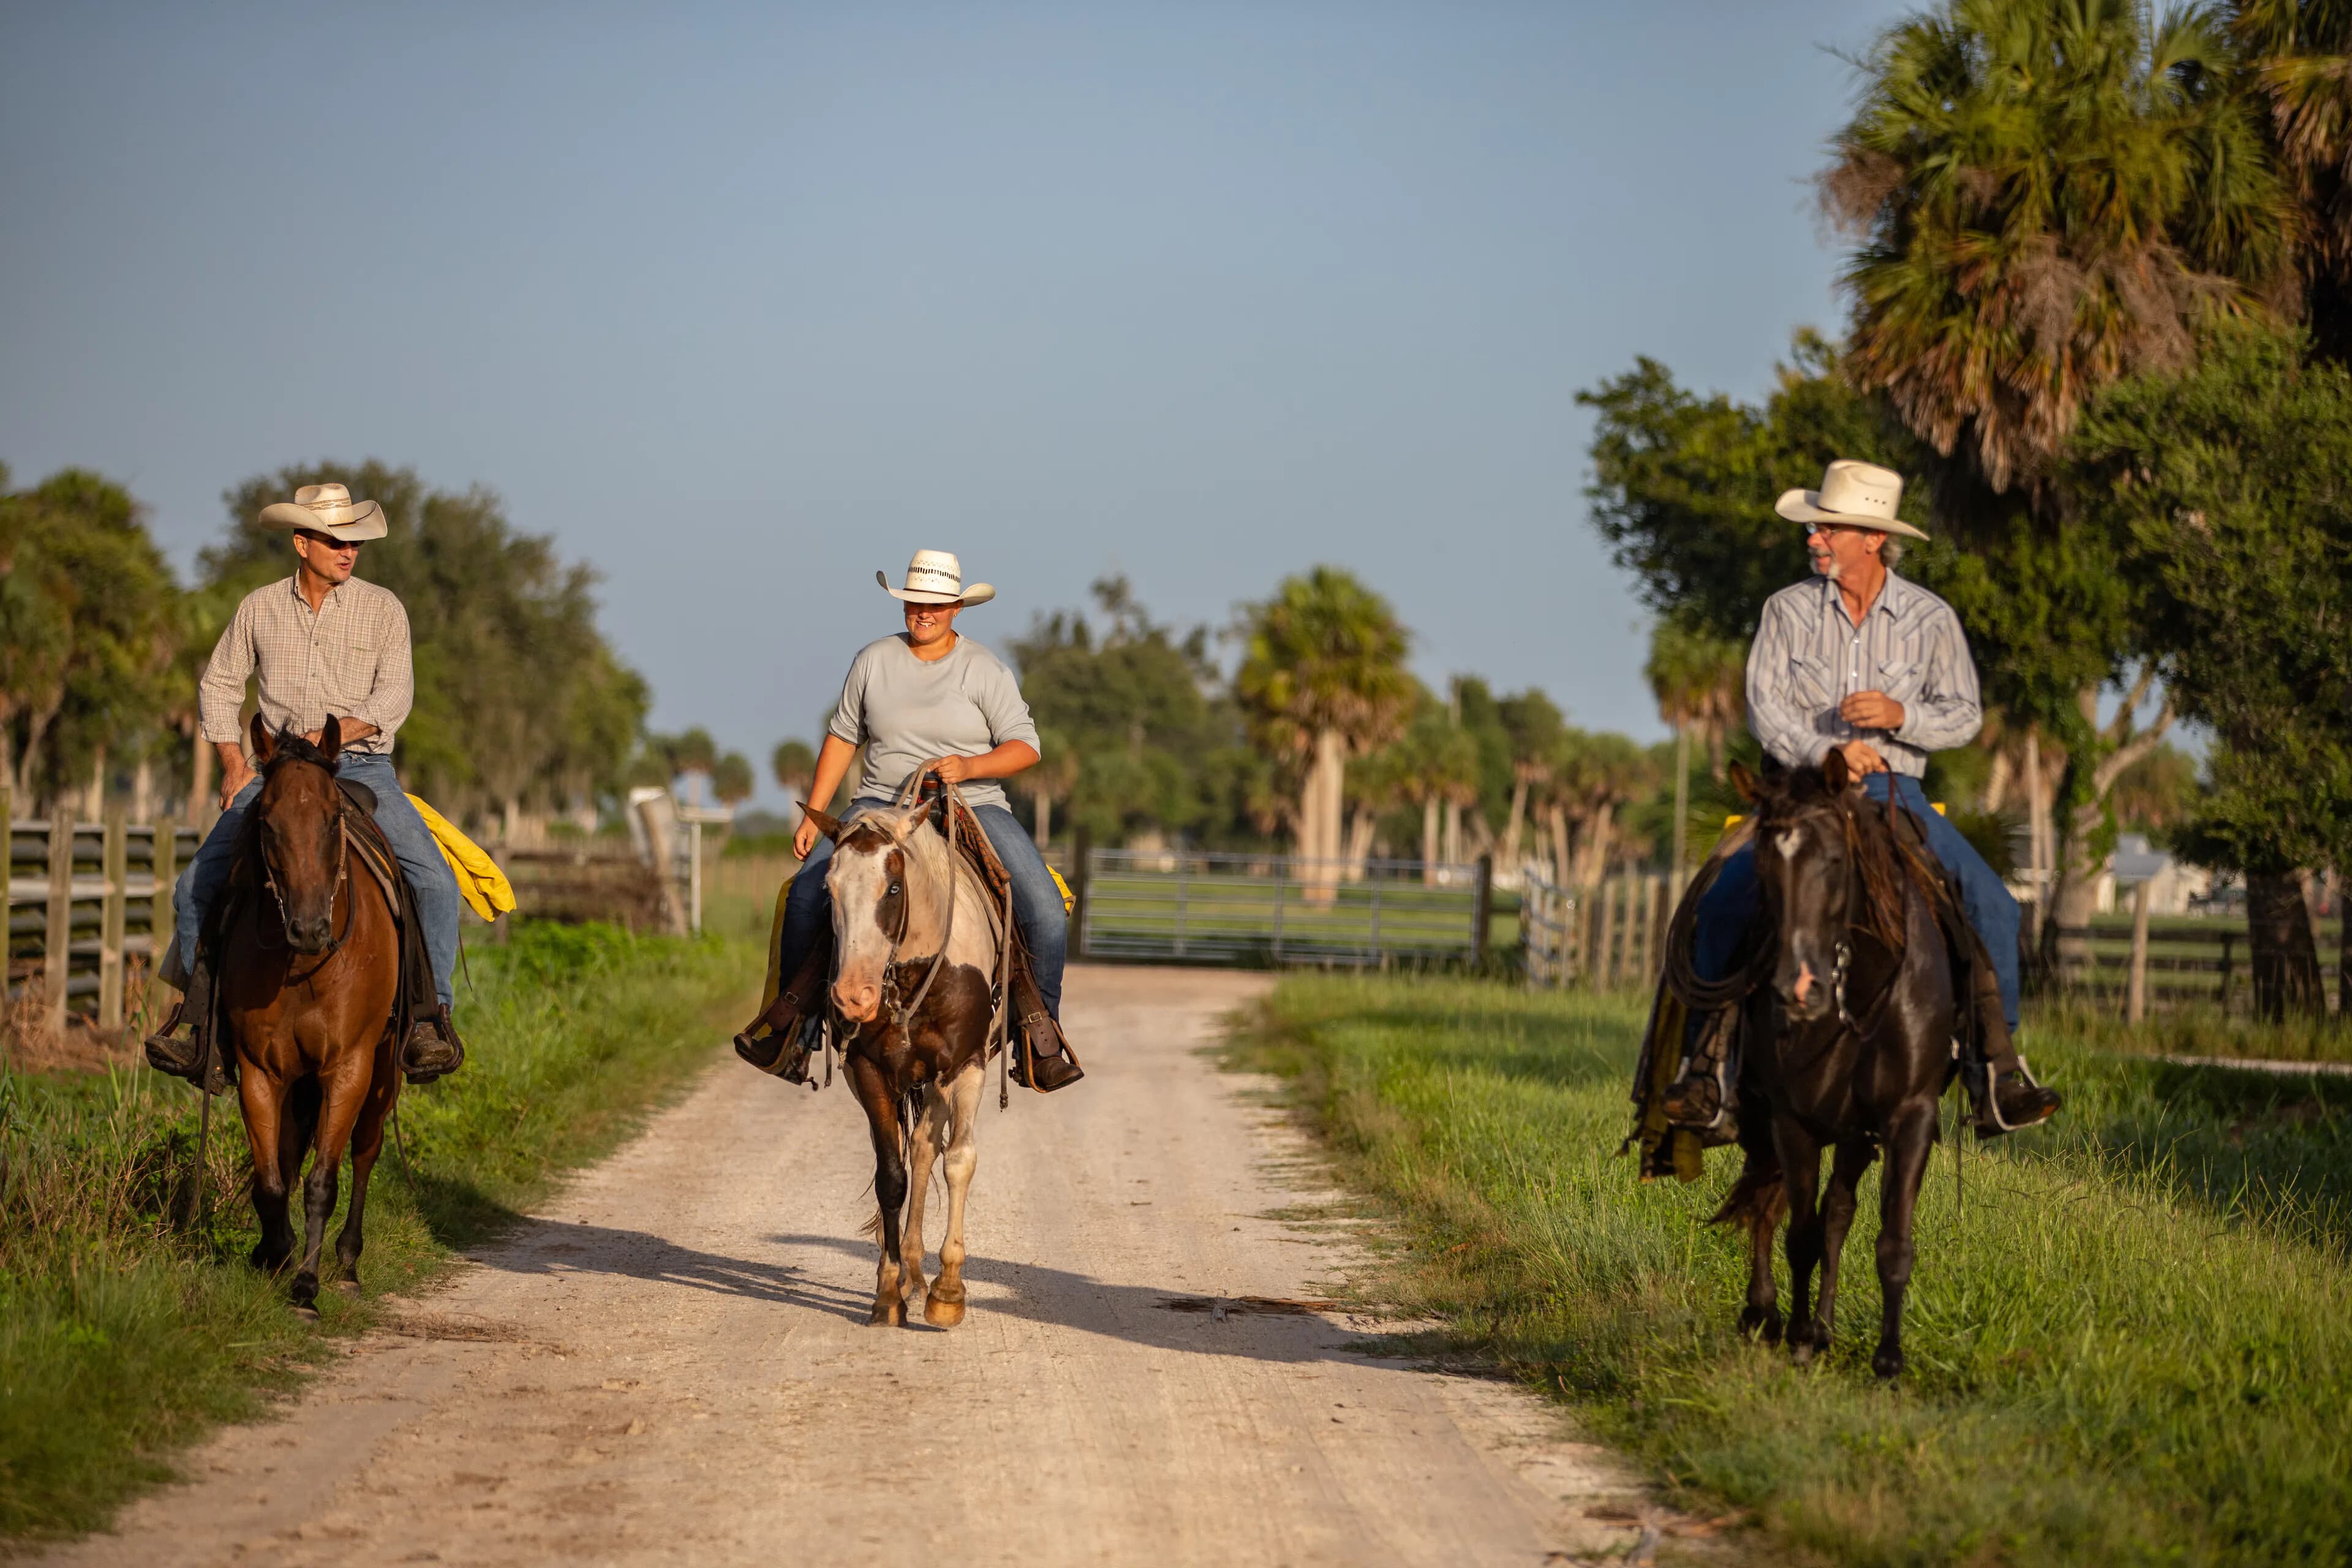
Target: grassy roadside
(126,1329)
(2134,1345)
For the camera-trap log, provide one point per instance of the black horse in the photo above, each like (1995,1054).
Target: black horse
(1852,1046)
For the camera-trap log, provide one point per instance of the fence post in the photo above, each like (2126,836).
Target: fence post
(1481,911)
(2228,938)
(1605,957)
(167,870)
(1082,844)
(1281,881)
(2135,991)
(56,950)
(114,862)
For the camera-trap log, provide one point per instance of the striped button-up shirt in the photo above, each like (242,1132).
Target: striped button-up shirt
(1810,657)
(350,658)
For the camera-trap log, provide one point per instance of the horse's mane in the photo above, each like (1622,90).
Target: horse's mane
(293,745)
(1886,873)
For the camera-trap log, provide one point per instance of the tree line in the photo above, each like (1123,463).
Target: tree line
(523,710)
(2099,277)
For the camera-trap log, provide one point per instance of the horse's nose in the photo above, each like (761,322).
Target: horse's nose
(310,936)
(859,1003)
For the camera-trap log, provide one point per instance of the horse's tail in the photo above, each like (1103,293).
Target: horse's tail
(1760,1196)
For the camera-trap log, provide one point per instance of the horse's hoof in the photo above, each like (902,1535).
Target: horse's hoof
(1887,1364)
(889,1315)
(1802,1353)
(1763,1324)
(943,1314)
(305,1310)
(347,1287)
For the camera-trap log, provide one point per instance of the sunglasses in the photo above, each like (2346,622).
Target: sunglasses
(339,544)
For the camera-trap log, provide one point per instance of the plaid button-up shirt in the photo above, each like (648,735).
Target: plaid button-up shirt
(1810,657)
(351,658)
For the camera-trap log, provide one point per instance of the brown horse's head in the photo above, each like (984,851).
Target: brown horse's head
(1810,851)
(890,880)
(298,829)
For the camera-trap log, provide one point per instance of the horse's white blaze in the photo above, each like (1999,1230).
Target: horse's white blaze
(1786,841)
(859,880)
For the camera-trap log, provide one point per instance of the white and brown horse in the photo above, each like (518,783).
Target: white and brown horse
(918,970)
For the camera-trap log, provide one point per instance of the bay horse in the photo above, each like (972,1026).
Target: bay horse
(920,969)
(1852,1047)
(308,975)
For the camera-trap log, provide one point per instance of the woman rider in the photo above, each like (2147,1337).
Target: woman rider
(933,702)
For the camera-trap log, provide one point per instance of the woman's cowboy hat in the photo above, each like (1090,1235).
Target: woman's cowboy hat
(1856,495)
(936,577)
(328,509)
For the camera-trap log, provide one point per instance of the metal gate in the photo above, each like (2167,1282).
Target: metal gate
(1197,907)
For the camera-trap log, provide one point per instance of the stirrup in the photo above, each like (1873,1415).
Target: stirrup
(1032,1068)
(1990,1121)
(1699,1101)
(783,1053)
(434,1030)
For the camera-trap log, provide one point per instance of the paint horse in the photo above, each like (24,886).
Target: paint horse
(1855,1048)
(920,969)
(309,977)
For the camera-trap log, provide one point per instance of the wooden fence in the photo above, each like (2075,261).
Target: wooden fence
(89,906)
(1609,937)
(2190,961)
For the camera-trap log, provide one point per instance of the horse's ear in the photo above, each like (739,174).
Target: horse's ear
(1745,783)
(331,738)
(265,745)
(826,823)
(1834,772)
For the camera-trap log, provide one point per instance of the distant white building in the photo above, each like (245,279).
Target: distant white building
(2171,884)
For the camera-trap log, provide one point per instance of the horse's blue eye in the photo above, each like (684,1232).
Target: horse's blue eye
(893,887)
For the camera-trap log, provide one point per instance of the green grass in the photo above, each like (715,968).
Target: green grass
(127,1328)
(2133,1344)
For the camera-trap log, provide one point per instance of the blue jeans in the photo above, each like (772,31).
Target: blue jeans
(1725,913)
(1037,901)
(413,845)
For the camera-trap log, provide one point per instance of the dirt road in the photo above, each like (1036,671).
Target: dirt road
(672,1364)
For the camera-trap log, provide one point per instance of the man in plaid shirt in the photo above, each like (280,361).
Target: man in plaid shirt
(323,643)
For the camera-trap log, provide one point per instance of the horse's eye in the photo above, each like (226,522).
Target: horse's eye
(893,892)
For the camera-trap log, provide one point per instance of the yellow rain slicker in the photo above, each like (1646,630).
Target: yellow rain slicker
(479,881)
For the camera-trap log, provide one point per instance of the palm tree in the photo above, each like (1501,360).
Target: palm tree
(2049,197)
(1051,779)
(1699,682)
(1591,776)
(2299,59)
(1434,765)
(1533,722)
(1322,678)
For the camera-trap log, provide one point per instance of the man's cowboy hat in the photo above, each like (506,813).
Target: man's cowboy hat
(936,577)
(1856,495)
(328,509)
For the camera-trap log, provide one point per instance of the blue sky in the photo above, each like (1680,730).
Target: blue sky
(741,303)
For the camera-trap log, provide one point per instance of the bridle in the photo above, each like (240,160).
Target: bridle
(342,869)
(1858,893)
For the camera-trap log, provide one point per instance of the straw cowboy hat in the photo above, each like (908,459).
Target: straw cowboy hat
(328,509)
(1855,495)
(936,577)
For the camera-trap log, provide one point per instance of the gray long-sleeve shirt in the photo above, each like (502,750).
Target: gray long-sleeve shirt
(905,712)
(350,656)
(1809,657)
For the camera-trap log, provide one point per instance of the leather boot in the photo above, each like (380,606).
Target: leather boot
(2007,1097)
(1042,1057)
(432,1049)
(783,1051)
(191,1057)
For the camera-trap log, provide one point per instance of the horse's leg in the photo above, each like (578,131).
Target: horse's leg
(1853,1157)
(944,1307)
(262,1097)
(929,1124)
(889,1185)
(367,1143)
(1800,1168)
(341,1098)
(1908,1144)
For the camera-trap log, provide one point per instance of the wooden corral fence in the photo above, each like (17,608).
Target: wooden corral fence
(1188,906)
(1609,937)
(89,905)
(2180,961)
